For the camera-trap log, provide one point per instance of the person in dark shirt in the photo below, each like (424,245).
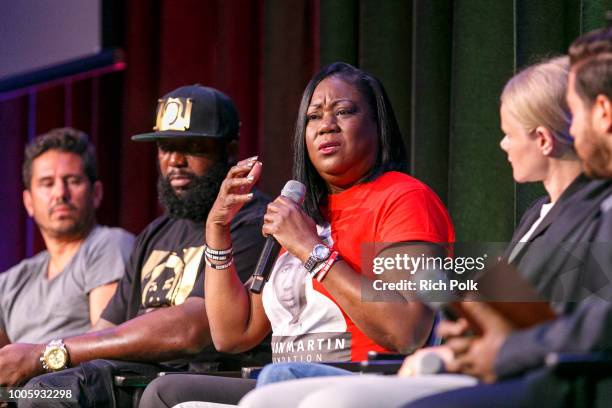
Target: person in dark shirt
(588,327)
(157,319)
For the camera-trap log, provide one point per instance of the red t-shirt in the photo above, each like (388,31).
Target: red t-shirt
(307,324)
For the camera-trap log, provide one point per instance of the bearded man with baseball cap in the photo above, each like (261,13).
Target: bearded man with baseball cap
(156,320)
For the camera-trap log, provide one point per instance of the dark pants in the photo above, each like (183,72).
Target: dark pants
(505,394)
(539,389)
(172,389)
(92,384)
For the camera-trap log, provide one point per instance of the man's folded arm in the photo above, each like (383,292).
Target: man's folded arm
(160,335)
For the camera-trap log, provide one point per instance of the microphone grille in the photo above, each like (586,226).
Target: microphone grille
(429,363)
(295,191)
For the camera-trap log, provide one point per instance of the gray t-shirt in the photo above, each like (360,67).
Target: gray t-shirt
(34,309)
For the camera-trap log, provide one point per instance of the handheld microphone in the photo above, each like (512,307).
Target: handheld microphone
(295,191)
(429,363)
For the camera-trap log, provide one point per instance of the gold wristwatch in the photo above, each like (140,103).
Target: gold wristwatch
(55,356)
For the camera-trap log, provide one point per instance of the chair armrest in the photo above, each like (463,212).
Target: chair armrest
(385,367)
(133,380)
(579,363)
(251,372)
(141,381)
(377,363)
(378,356)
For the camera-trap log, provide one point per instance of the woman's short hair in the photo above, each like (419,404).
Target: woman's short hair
(391,153)
(536,97)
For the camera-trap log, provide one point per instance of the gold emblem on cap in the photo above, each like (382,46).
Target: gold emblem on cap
(173,114)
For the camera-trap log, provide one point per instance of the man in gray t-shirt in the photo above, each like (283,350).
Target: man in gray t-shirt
(62,291)
(35,309)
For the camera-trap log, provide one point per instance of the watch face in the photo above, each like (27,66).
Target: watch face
(321,252)
(56,358)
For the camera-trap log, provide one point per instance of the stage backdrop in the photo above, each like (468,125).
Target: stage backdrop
(442,62)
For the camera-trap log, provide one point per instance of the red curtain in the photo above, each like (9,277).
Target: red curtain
(259,53)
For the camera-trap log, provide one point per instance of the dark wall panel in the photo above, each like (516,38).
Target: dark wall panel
(431,79)
(593,14)
(138,100)
(386,51)
(481,192)
(13,226)
(443,62)
(288,63)
(339,31)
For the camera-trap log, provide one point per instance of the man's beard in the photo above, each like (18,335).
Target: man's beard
(195,202)
(73,226)
(595,154)
(69,229)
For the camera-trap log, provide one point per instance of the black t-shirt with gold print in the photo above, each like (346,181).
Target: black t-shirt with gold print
(167,263)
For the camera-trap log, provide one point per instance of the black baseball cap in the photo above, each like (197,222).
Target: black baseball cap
(194,111)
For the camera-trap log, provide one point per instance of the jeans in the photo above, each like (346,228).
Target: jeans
(91,384)
(273,373)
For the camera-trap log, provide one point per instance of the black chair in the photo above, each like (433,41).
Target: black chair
(573,380)
(376,363)
(129,387)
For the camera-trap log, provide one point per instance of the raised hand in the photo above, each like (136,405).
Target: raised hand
(235,191)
